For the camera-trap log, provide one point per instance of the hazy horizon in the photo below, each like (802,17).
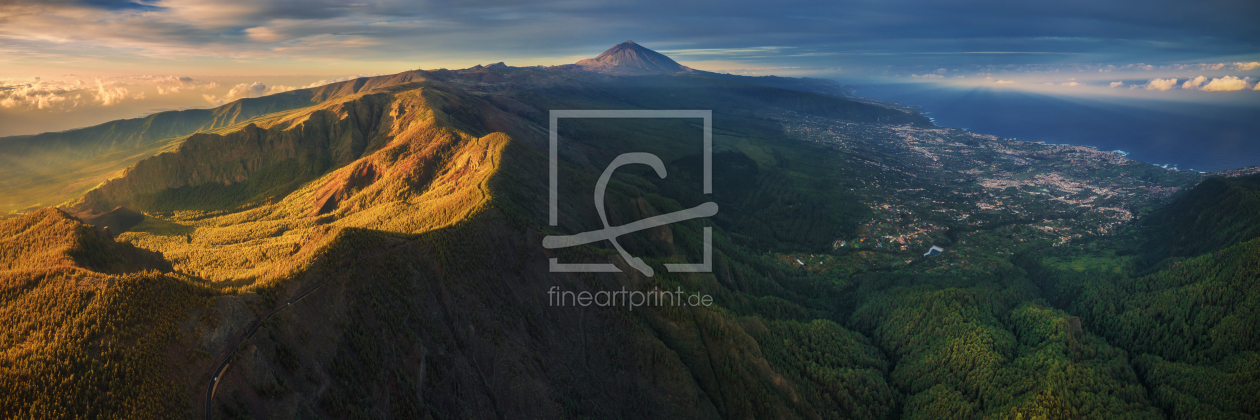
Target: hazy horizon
(45,104)
(73,64)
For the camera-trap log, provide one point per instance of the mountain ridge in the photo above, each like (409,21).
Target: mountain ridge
(42,163)
(443,175)
(394,228)
(71,162)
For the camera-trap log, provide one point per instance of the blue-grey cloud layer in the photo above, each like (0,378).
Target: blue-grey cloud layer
(862,32)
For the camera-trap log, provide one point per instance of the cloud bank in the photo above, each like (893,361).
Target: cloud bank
(36,93)
(246,90)
(1247,66)
(1221,84)
(1161,84)
(862,32)
(1225,84)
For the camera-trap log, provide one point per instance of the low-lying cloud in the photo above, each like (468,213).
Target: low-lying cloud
(1225,84)
(112,94)
(322,82)
(1220,84)
(246,90)
(175,84)
(1247,66)
(36,93)
(257,89)
(1194,83)
(1161,84)
(61,95)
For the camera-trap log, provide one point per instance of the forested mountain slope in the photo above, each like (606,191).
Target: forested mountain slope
(377,253)
(1185,301)
(1218,213)
(369,192)
(87,322)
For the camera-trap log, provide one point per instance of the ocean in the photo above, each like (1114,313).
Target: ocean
(1181,135)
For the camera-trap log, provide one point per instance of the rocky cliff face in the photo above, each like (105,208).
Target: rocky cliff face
(268,159)
(304,145)
(52,168)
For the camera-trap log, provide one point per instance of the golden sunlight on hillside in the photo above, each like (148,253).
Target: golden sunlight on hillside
(417,174)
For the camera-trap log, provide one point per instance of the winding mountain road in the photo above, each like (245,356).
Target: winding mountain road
(256,325)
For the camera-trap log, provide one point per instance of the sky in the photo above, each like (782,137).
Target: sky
(66,64)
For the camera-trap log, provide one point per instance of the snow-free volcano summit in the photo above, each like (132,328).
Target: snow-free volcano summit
(629,58)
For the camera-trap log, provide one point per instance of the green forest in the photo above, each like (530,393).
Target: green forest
(390,237)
